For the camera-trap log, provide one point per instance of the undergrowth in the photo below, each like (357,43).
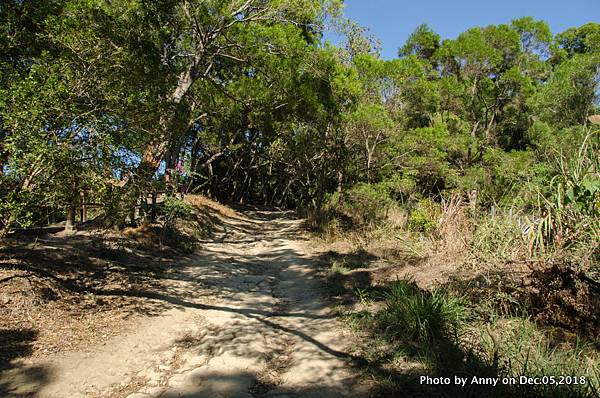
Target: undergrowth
(518,293)
(418,315)
(409,333)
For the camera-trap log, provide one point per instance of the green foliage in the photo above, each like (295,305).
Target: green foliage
(98,96)
(580,40)
(414,314)
(514,179)
(423,42)
(427,154)
(174,209)
(438,332)
(572,212)
(518,347)
(570,94)
(17,209)
(549,141)
(175,212)
(104,96)
(535,35)
(424,217)
(89,88)
(365,204)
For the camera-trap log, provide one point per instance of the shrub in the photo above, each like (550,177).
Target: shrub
(571,214)
(418,315)
(365,204)
(424,217)
(175,209)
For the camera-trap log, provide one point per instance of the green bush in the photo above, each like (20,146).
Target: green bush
(424,217)
(571,214)
(364,204)
(172,234)
(418,315)
(174,209)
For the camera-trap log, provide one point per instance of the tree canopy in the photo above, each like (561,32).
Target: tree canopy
(244,101)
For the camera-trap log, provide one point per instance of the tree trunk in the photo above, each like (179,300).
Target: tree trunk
(172,125)
(70,224)
(153,208)
(6,228)
(83,211)
(472,143)
(340,178)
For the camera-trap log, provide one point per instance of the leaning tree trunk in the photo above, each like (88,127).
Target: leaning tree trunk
(174,123)
(171,126)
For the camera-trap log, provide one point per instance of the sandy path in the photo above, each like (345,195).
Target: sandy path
(246,320)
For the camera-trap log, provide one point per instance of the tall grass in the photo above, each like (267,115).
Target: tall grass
(571,217)
(418,315)
(500,257)
(517,347)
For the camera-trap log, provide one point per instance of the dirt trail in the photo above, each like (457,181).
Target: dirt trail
(245,319)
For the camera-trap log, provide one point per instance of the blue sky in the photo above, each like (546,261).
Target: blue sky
(392,21)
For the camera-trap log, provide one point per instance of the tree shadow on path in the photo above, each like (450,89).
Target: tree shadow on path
(16,379)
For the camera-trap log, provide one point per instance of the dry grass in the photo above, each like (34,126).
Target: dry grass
(145,234)
(533,312)
(205,218)
(202,202)
(63,320)
(454,227)
(428,259)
